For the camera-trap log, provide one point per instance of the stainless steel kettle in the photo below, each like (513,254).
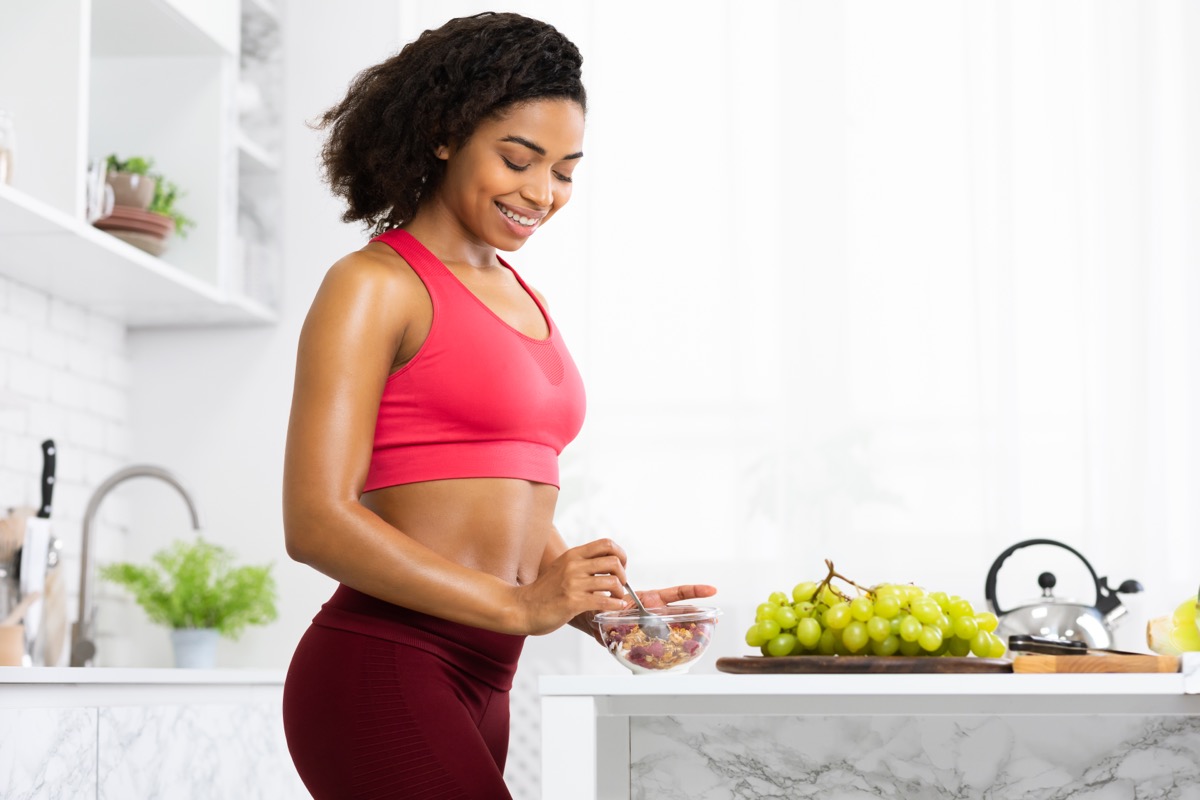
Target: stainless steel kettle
(1049,617)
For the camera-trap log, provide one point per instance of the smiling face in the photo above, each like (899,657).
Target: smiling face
(514,173)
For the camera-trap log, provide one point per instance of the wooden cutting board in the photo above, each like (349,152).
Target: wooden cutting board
(809,665)
(1032,663)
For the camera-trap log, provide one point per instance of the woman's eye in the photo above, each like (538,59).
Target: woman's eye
(515,167)
(563,178)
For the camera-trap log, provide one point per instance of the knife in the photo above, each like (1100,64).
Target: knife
(1020,643)
(36,549)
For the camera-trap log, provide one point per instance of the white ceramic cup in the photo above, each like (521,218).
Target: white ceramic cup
(100,196)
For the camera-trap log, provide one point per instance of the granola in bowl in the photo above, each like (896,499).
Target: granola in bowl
(690,631)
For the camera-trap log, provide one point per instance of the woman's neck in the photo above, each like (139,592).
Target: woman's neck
(444,236)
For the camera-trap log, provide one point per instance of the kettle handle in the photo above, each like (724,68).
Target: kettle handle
(989,586)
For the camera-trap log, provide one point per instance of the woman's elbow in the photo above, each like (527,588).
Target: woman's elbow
(301,534)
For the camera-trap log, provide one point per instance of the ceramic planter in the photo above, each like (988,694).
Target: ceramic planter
(195,648)
(130,189)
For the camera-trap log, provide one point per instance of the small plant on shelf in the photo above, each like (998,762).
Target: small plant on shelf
(165,194)
(137,186)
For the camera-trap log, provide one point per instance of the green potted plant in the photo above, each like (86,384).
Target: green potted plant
(194,589)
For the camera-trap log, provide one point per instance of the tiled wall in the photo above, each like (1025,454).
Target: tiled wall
(64,375)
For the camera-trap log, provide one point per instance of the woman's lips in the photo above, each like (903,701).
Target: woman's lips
(525,225)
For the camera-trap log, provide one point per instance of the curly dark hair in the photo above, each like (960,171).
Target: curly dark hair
(380,152)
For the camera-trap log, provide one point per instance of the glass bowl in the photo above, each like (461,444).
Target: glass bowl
(691,629)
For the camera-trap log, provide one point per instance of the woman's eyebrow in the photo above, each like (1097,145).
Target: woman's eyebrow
(537,148)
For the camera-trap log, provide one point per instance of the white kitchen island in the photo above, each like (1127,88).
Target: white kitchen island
(838,737)
(114,733)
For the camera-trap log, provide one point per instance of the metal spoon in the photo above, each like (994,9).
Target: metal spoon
(650,624)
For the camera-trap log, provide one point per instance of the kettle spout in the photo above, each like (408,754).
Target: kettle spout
(1107,602)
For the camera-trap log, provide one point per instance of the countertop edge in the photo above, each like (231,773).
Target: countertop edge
(136,676)
(1187,681)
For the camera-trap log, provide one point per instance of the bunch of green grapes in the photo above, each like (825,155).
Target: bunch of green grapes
(886,620)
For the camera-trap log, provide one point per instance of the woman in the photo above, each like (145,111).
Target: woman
(433,395)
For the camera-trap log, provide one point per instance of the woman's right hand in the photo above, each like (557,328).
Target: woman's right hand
(589,577)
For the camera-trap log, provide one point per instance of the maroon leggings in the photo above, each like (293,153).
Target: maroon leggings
(384,702)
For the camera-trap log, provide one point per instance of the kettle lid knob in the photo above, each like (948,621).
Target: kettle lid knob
(1047,581)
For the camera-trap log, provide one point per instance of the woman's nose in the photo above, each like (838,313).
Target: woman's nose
(539,191)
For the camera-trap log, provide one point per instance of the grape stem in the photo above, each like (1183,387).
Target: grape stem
(835,574)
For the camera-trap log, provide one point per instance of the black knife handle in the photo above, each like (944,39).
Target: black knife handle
(49,463)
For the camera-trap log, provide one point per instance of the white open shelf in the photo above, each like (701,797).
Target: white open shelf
(51,251)
(162,30)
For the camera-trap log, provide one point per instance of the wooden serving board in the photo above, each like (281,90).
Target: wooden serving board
(1043,665)
(809,665)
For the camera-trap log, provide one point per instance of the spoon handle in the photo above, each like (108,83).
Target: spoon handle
(637,600)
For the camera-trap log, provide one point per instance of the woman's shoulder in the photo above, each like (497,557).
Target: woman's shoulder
(372,287)
(375,269)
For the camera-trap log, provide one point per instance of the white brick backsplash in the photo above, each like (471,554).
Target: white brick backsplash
(86,430)
(97,467)
(110,403)
(116,371)
(14,334)
(46,421)
(70,459)
(71,391)
(28,378)
(106,333)
(70,501)
(14,418)
(12,490)
(21,454)
(49,348)
(88,360)
(28,304)
(64,374)
(116,439)
(68,318)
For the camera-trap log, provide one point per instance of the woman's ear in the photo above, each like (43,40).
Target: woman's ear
(442,152)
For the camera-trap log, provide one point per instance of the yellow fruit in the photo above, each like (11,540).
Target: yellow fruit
(1186,613)
(1178,633)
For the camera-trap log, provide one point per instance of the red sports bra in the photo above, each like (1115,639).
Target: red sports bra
(480,399)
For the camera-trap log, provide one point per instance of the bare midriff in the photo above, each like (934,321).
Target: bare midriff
(495,525)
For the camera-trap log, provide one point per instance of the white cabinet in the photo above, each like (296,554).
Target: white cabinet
(155,78)
(138,733)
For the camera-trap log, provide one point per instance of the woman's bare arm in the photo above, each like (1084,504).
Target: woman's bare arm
(347,345)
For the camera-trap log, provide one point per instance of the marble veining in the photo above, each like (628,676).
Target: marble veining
(1190,668)
(915,758)
(47,753)
(195,751)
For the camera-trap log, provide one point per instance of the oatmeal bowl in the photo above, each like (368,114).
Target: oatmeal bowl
(688,631)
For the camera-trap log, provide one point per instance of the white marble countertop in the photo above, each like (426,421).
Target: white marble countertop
(139,676)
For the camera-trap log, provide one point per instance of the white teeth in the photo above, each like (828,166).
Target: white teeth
(526,221)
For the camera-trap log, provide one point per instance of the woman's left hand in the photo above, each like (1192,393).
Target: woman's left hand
(655,598)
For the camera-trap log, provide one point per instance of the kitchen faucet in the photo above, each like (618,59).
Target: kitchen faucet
(83,632)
